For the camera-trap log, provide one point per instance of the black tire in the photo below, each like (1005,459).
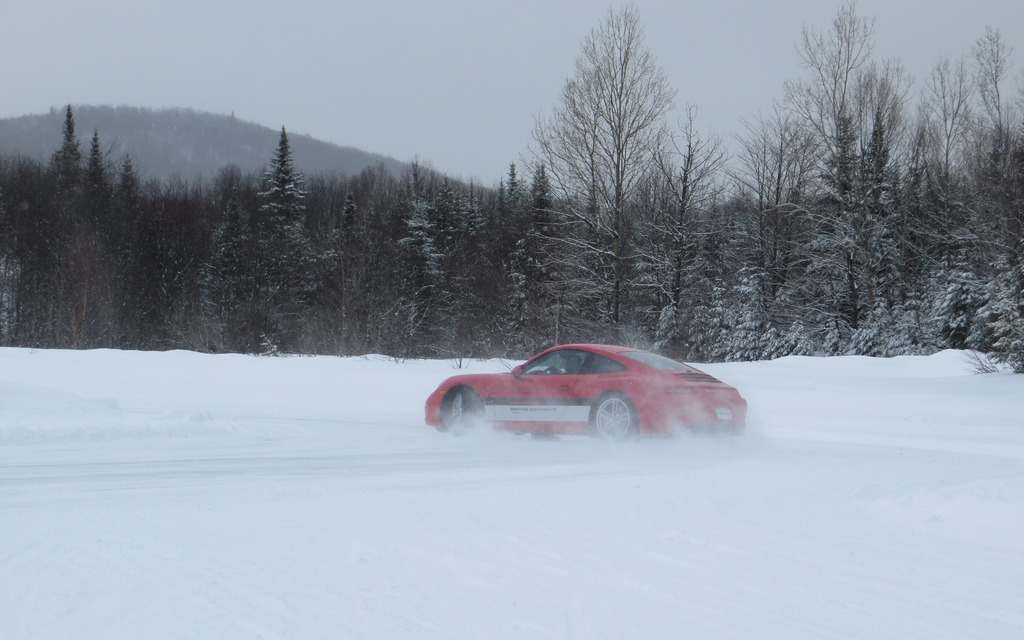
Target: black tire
(613,417)
(461,410)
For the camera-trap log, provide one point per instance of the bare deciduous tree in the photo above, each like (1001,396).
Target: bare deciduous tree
(774,171)
(833,60)
(946,113)
(992,63)
(996,158)
(599,143)
(688,187)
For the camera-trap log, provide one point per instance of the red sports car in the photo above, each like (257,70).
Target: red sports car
(608,391)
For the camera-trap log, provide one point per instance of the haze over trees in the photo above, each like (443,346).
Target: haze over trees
(180,142)
(865,212)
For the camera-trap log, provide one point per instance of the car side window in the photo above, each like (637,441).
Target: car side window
(561,362)
(601,364)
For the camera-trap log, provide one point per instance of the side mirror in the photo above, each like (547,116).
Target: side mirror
(517,371)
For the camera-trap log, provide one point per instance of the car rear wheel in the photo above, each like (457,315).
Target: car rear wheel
(461,410)
(613,417)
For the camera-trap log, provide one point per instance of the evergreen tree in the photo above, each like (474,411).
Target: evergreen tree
(47,275)
(793,340)
(229,281)
(97,188)
(959,303)
(334,273)
(538,261)
(422,293)
(125,209)
(285,276)
(749,337)
(910,334)
(1005,319)
(348,214)
(8,271)
(67,160)
(516,316)
(125,222)
(512,200)
(91,281)
(422,235)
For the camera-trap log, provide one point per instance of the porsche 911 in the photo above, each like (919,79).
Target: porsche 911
(610,392)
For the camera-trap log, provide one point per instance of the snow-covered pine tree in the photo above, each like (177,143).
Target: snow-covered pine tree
(871,336)
(794,340)
(749,337)
(512,198)
(463,269)
(543,284)
(960,301)
(706,326)
(421,291)
(515,318)
(910,335)
(285,274)
(1006,319)
(531,314)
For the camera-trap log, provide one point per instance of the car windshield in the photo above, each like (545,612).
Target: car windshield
(656,361)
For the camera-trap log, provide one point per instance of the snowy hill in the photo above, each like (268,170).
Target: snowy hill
(181,495)
(182,142)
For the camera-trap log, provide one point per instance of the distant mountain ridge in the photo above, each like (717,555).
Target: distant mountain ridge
(183,142)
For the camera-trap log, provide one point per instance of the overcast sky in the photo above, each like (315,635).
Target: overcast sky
(457,83)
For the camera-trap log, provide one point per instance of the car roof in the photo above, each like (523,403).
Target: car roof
(611,348)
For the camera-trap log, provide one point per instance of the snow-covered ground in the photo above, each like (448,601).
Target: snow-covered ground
(179,495)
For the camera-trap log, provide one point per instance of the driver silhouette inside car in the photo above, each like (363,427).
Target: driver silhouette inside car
(559,363)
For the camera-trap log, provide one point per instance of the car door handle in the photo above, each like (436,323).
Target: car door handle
(565,387)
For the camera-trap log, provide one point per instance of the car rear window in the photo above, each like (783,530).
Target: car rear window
(656,361)
(601,364)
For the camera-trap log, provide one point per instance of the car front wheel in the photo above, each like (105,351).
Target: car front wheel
(461,409)
(613,418)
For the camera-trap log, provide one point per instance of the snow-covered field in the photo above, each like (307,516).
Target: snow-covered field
(179,495)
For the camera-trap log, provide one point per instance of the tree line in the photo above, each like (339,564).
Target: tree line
(857,216)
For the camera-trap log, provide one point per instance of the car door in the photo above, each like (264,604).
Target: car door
(543,392)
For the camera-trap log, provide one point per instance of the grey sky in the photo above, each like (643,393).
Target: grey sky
(456,82)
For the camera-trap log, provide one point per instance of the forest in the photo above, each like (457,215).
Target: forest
(862,213)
